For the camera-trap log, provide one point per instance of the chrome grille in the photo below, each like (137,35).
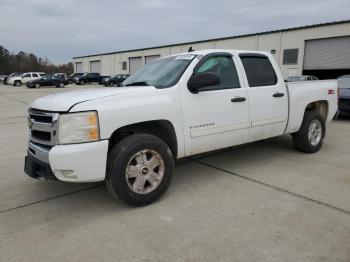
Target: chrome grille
(43,127)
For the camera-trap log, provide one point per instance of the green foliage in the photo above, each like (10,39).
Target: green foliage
(24,62)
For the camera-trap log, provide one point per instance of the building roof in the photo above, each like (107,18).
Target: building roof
(222,38)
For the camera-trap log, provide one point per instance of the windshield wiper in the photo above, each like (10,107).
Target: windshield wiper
(140,83)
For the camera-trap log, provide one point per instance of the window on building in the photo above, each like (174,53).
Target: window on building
(125,65)
(290,56)
(259,70)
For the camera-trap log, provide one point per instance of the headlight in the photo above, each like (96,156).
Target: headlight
(78,128)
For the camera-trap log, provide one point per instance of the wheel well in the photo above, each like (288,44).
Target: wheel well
(319,106)
(160,128)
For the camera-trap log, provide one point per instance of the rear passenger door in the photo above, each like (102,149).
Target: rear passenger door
(268,96)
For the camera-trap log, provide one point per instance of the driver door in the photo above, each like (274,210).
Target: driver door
(217,116)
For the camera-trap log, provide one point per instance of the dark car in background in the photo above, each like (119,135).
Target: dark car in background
(71,77)
(11,75)
(344,95)
(89,78)
(48,80)
(114,80)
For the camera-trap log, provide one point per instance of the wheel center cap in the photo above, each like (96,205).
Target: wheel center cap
(144,171)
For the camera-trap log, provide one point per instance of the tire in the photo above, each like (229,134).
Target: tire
(131,152)
(308,139)
(37,85)
(111,84)
(61,85)
(17,83)
(81,82)
(70,81)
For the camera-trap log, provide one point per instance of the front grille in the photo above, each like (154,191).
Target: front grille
(41,135)
(43,127)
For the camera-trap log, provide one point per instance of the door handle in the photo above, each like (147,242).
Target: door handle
(278,94)
(238,99)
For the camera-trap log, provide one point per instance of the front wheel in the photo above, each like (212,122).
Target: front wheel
(17,83)
(37,85)
(81,82)
(139,169)
(310,137)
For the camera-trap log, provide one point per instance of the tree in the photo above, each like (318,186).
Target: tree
(24,62)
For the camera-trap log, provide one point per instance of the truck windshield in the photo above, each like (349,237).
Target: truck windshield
(160,73)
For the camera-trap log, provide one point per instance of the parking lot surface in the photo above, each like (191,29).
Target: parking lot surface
(260,202)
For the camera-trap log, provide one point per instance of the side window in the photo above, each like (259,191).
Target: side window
(35,75)
(259,71)
(26,75)
(223,66)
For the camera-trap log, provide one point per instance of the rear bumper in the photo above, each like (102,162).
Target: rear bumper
(84,162)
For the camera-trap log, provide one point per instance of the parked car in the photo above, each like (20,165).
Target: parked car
(114,80)
(344,95)
(178,106)
(24,78)
(301,78)
(11,75)
(2,77)
(48,80)
(89,78)
(71,77)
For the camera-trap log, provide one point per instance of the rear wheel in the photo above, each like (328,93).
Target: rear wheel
(139,169)
(61,85)
(82,82)
(311,135)
(70,81)
(111,84)
(37,85)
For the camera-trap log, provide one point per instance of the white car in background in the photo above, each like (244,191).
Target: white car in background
(24,78)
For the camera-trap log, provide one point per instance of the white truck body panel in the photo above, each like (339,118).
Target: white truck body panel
(202,122)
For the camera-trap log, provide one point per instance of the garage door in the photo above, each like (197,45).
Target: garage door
(79,67)
(149,58)
(95,66)
(330,53)
(134,64)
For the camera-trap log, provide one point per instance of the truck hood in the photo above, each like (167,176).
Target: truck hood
(63,102)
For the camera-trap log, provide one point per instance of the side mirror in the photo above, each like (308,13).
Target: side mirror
(200,80)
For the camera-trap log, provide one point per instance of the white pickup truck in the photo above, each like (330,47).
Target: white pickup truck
(173,107)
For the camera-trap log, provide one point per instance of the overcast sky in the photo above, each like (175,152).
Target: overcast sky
(62,29)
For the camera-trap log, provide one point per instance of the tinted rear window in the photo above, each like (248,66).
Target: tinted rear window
(259,71)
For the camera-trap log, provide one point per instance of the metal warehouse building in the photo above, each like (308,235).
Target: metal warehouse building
(322,50)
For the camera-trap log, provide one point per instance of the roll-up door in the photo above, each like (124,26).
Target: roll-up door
(134,64)
(329,53)
(149,58)
(79,67)
(95,66)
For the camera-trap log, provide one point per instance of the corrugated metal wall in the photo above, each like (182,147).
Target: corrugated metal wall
(277,41)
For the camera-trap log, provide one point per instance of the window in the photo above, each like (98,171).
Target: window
(290,56)
(162,72)
(223,66)
(259,70)
(42,74)
(26,75)
(125,65)
(35,75)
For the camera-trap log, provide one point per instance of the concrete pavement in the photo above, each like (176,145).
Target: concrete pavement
(259,202)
